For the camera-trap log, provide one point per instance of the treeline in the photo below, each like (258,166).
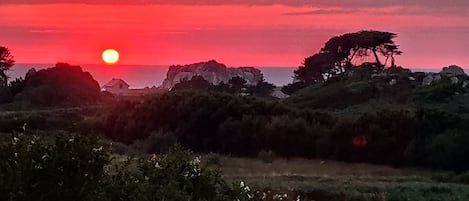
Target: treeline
(244,126)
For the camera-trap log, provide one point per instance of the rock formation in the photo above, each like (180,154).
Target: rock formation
(212,71)
(452,70)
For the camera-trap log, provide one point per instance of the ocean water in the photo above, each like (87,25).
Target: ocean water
(142,76)
(138,76)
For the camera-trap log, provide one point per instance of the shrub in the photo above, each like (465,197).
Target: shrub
(76,168)
(289,89)
(157,142)
(70,168)
(5,95)
(174,176)
(426,192)
(387,134)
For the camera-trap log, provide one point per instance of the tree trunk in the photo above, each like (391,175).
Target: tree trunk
(3,79)
(376,56)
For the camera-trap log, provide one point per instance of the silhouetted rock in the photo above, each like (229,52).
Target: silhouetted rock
(62,85)
(427,80)
(212,71)
(452,70)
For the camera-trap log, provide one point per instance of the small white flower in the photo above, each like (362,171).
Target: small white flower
(16,154)
(71,140)
(15,139)
(98,149)
(241,184)
(197,160)
(157,165)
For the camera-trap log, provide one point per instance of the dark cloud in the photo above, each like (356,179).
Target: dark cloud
(324,11)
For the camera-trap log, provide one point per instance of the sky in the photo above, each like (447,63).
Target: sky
(431,33)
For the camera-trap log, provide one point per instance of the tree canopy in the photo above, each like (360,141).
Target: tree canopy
(6,62)
(337,55)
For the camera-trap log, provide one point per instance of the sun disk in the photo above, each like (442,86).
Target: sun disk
(110,56)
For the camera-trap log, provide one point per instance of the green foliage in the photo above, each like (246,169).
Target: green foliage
(428,192)
(17,85)
(174,176)
(387,133)
(236,84)
(70,168)
(5,95)
(195,83)
(157,142)
(218,122)
(334,95)
(462,178)
(439,91)
(77,167)
(6,62)
(289,89)
(39,121)
(262,88)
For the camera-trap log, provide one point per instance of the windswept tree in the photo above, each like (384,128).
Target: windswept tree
(361,44)
(338,54)
(317,68)
(6,62)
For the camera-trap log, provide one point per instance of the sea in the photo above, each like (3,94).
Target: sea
(140,76)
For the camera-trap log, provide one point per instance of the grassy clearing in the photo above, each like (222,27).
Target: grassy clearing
(330,180)
(303,174)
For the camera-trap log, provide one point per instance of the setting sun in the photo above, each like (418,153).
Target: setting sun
(110,56)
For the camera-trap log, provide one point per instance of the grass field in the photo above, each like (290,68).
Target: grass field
(330,180)
(325,180)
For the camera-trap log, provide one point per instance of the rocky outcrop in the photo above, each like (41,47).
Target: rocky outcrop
(212,71)
(452,71)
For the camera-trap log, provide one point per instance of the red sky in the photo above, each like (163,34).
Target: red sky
(235,32)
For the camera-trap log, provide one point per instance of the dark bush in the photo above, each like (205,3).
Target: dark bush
(75,167)
(157,142)
(293,87)
(5,95)
(62,85)
(71,168)
(219,122)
